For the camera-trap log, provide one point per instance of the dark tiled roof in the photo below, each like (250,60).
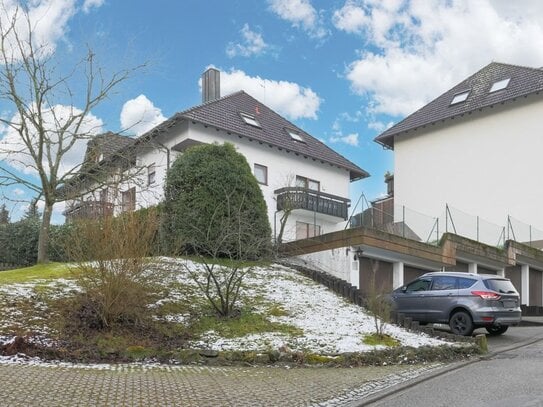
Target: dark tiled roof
(107,144)
(524,81)
(224,114)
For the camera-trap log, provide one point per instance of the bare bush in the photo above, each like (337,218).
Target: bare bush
(377,302)
(110,258)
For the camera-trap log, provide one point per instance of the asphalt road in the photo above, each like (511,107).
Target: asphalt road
(511,375)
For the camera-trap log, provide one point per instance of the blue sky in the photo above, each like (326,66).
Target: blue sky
(343,70)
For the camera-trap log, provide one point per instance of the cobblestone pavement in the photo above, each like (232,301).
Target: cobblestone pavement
(138,385)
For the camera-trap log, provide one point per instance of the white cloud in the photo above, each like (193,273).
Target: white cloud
(89,4)
(48,18)
(286,98)
(18,192)
(139,115)
(301,14)
(422,48)
(15,153)
(379,126)
(351,139)
(253,44)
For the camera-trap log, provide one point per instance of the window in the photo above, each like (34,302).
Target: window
(151,174)
(247,118)
(307,230)
(460,97)
(499,85)
(465,282)
(104,195)
(261,174)
(304,182)
(418,285)
(295,136)
(128,200)
(444,283)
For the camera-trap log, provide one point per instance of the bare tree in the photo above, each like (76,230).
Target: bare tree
(224,255)
(377,303)
(288,202)
(45,125)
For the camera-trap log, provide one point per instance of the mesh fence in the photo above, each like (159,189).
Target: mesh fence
(472,227)
(403,221)
(523,232)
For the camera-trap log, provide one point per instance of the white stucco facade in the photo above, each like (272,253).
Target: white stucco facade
(282,169)
(485,164)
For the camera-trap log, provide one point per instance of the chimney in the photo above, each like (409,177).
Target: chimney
(211,85)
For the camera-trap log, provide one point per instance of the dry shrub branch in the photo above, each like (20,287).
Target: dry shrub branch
(110,258)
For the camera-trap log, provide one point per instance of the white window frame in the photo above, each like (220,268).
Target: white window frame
(304,182)
(309,230)
(151,174)
(460,97)
(499,85)
(265,173)
(250,120)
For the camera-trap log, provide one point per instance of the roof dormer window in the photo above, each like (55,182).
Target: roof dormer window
(460,97)
(295,136)
(499,85)
(250,120)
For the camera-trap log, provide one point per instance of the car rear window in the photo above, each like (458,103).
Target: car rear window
(500,285)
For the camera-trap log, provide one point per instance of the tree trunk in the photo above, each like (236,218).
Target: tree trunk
(43,240)
(282,224)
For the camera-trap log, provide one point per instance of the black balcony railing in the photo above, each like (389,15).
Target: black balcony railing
(88,210)
(314,201)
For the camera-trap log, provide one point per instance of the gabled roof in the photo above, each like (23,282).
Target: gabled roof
(106,144)
(226,114)
(523,81)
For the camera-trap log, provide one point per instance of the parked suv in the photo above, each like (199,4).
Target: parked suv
(464,301)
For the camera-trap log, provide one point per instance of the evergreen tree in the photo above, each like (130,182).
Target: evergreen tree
(4,215)
(214,205)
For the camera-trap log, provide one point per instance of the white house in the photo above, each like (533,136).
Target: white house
(285,160)
(478,149)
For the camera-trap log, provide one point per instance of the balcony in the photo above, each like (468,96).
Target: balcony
(88,210)
(311,200)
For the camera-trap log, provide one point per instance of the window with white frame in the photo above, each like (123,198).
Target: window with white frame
(499,85)
(261,174)
(306,230)
(460,97)
(295,136)
(250,120)
(307,183)
(151,174)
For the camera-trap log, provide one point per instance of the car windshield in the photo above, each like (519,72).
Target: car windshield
(500,285)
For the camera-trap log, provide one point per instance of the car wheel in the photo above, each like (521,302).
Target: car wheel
(496,330)
(461,323)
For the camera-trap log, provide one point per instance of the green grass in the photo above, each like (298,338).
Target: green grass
(375,339)
(47,271)
(248,323)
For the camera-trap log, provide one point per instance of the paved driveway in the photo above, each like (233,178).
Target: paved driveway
(128,385)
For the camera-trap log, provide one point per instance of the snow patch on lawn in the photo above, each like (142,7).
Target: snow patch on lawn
(329,323)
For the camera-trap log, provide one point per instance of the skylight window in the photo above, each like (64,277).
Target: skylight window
(295,136)
(499,85)
(247,118)
(460,97)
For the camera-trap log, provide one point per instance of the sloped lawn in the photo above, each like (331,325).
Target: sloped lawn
(281,314)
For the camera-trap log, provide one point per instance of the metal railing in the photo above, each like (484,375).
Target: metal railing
(402,221)
(311,200)
(89,210)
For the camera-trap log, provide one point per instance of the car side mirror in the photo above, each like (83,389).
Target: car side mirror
(404,289)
